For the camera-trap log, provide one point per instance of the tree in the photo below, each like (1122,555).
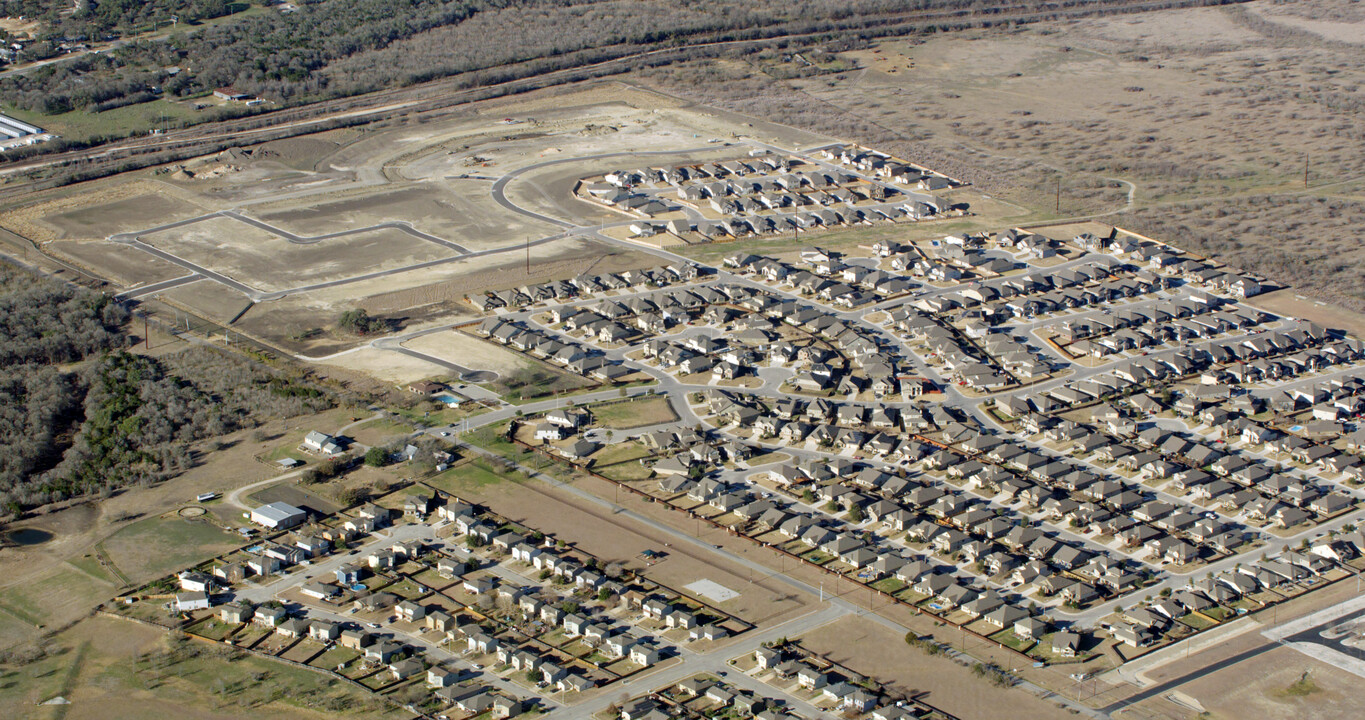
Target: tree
(359,322)
(376,457)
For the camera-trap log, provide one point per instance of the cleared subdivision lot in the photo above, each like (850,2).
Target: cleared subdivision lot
(267,261)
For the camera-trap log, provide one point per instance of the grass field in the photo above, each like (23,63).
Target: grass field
(619,453)
(80,125)
(471,476)
(636,413)
(379,432)
(54,597)
(156,546)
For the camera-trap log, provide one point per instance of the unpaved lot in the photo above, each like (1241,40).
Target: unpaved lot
(471,352)
(387,365)
(874,650)
(267,261)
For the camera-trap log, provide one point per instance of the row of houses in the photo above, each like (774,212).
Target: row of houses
(884,166)
(586,285)
(561,350)
(1081,497)
(1171,261)
(829,280)
(453,687)
(1146,623)
(954,352)
(949,524)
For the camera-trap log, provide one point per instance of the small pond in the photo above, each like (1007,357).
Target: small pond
(29,536)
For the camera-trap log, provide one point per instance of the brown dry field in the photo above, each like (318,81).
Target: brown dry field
(95,666)
(1229,695)
(382,365)
(461,349)
(266,261)
(121,264)
(1288,303)
(616,538)
(874,650)
(208,300)
(459,211)
(100,208)
(123,215)
(1256,687)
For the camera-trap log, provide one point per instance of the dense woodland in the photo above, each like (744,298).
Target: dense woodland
(342,47)
(97,19)
(81,416)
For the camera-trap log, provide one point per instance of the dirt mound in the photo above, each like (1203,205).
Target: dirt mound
(299,152)
(592,129)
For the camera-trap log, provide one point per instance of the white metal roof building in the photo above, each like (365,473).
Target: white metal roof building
(278,515)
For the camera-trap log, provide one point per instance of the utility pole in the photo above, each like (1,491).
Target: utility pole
(1058,208)
(528,255)
(1305,170)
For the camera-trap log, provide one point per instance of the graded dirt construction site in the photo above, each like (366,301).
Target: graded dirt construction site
(269,261)
(407,222)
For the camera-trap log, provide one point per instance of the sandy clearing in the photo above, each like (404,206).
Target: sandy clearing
(468,351)
(387,365)
(1186,28)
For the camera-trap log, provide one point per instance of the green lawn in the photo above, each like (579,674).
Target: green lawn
(1196,622)
(889,584)
(436,414)
(90,565)
(379,431)
(473,475)
(213,628)
(287,451)
(626,472)
(1008,638)
(80,125)
(1218,613)
(494,438)
(767,458)
(334,657)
